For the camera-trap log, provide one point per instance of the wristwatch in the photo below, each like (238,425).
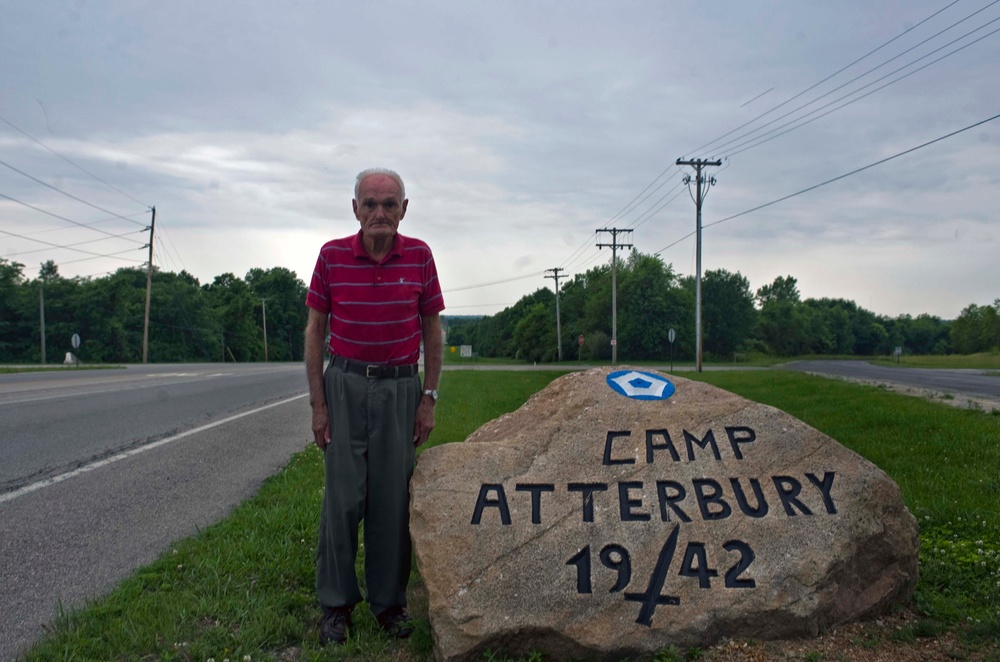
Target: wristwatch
(431,392)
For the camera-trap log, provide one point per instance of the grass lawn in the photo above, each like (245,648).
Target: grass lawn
(243,589)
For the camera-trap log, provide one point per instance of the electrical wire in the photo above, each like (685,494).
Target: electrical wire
(72,163)
(834,179)
(834,74)
(90,224)
(68,195)
(496,282)
(63,218)
(877,80)
(631,206)
(85,259)
(80,243)
(69,248)
(481,305)
(761,140)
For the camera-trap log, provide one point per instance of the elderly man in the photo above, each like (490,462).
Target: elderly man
(379,292)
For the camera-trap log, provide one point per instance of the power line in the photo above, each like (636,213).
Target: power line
(482,305)
(68,195)
(72,163)
(856,78)
(854,172)
(652,212)
(830,181)
(630,206)
(80,243)
(63,218)
(834,74)
(750,144)
(78,250)
(573,261)
(85,259)
(88,225)
(496,282)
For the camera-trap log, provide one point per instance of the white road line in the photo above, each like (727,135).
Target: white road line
(27,489)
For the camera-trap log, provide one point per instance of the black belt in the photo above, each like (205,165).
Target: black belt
(375,370)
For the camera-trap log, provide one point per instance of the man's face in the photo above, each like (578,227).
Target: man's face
(379,207)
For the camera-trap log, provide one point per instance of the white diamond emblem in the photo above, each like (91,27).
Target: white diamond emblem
(640,385)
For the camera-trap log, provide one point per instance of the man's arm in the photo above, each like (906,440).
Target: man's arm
(315,342)
(431,331)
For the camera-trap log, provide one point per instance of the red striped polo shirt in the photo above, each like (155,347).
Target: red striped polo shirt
(375,307)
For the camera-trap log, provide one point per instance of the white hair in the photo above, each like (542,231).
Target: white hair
(379,171)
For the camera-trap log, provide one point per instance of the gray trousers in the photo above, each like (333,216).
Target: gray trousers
(368,466)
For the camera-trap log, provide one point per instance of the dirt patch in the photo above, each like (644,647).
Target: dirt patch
(888,639)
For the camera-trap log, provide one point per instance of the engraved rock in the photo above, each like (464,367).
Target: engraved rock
(620,511)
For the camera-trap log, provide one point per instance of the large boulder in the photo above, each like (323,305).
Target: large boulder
(620,511)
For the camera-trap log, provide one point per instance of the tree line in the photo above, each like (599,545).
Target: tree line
(224,320)
(736,321)
(189,321)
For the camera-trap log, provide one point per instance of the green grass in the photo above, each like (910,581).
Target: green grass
(244,587)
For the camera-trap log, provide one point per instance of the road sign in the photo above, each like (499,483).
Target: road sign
(671,335)
(580,340)
(75,341)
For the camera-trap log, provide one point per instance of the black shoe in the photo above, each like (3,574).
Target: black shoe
(395,622)
(334,624)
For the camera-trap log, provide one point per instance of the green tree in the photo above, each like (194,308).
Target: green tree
(645,314)
(783,288)
(728,313)
(782,324)
(234,305)
(535,335)
(113,326)
(831,327)
(977,329)
(283,294)
(12,322)
(182,326)
(924,334)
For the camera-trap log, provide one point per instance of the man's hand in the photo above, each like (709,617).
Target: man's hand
(424,422)
(321,426)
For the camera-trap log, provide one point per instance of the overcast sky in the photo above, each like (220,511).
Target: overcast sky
(520,128)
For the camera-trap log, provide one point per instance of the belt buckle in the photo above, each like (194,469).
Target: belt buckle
(371,371)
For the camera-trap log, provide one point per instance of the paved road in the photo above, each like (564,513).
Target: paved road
(100,471)
(953,381)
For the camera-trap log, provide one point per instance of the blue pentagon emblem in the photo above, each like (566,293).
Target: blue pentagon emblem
(640,385)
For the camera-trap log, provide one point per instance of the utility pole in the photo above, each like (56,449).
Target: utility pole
(555,275)
(614,245)
(701,187)
(149,290)
(263,303)
(41,313)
